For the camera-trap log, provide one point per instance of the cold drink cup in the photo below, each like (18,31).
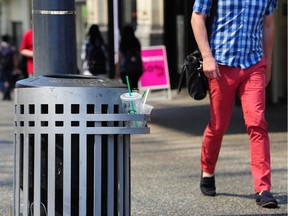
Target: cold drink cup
(145,109)
(131,104)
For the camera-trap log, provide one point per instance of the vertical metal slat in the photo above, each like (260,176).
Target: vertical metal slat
(97,175)
(26,177)
(111,183)
(127,174)
(120,177)
(37,175)
(111,170)
(51,174)
(82,174)
(16,186)
(67,175)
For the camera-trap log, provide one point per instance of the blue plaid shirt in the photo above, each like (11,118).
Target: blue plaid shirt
(236,39)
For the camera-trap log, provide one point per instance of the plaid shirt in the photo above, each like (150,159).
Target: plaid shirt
(236,38)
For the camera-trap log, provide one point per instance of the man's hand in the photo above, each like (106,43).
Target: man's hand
(6,84)
(210,68)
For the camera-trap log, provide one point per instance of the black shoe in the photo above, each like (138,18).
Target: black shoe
(266,200)
(207,185)
(6,99)
(7,96)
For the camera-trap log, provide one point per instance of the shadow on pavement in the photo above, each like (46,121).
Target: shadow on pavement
(5,142)
(282,199)
(193,119)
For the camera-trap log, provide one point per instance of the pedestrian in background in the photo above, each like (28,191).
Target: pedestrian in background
(94,53)
(129,58)
(237,59)
(26,50)
(7,66)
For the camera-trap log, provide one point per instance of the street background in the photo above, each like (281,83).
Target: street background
(165,170)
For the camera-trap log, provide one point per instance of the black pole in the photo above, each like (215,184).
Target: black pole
(170,39)
(190,42)
(111,38)
(54,37)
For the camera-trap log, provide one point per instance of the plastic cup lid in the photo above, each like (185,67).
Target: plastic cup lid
(133,96)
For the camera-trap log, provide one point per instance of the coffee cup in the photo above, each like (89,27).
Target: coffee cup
(131,104)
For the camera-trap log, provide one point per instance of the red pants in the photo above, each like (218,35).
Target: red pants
(250,85)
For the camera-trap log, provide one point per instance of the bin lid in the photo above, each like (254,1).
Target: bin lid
(68,80)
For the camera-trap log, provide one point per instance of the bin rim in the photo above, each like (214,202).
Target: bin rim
(68,80)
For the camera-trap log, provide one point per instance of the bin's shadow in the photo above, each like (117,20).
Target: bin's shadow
(193,119)
(2,141)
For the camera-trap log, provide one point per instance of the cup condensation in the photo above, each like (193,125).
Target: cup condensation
(145,109)
(131,104)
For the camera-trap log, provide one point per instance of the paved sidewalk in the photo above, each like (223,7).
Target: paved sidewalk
(165,164)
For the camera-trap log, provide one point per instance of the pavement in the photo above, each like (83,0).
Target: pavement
(165,169)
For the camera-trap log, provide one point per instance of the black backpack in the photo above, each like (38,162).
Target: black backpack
(6,57)
(96,59)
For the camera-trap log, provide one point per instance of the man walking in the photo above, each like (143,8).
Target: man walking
(237,58)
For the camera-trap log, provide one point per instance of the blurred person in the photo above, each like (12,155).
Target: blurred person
(26,50)
(129,58)
(237,58)
(20,71)
(7,66)
(94,53)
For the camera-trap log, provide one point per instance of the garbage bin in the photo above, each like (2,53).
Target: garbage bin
(72,150)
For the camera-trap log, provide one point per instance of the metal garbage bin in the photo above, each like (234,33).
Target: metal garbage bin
(72,150)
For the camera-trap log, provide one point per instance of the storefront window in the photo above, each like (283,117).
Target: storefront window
(147,18)
(145,15)
(150,22)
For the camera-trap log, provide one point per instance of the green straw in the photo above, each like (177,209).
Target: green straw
(128,85)
(132,104)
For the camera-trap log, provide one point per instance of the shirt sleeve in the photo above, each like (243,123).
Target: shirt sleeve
(202,6)
(27,40)
(271,6)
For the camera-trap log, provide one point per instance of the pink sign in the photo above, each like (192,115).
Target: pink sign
(155,73)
